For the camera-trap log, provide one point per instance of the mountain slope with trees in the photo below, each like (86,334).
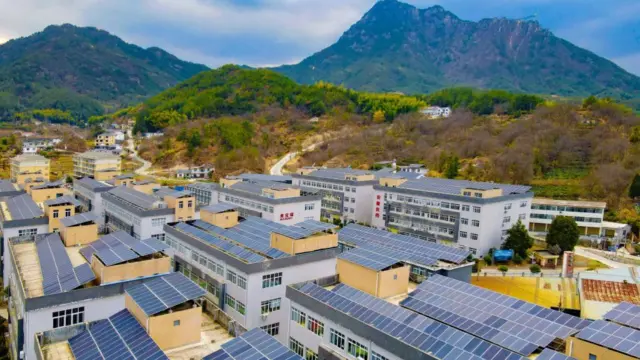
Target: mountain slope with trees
(398,47)
(83,70)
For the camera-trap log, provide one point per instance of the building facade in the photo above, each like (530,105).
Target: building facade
(98,165)
(28,168)
(33,145)
(89,192)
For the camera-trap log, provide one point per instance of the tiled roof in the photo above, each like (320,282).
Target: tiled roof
(610,291)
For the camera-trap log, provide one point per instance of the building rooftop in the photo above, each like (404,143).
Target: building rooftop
(137,198)
(454,187)
(164,292)
(574,203)
(124,176)
(49,185)
(119,247)
(29,157)
(601,290)
(203,185)
(20,207)
(256,186)
(162,192)
(264,177)
(338,173)
(99,155)
(79,219)
(390,173)
(613,336)
(254,344)
(92,184)
(7,186)
(63,200)
(219,208)
(613,225)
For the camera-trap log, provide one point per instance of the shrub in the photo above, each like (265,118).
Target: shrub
(554,249)
(487,259)
(503,269)
(475,268)
(517,259)
(535,268)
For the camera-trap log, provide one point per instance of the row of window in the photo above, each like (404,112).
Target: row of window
(271,329)
(158,222)
(463,234)
(354,348)
(428,215)
(420,226)
(235,304)
(269,306)
(248,203)
(352,200)
(56,213)
(297,347)
(239,280)
(567,208)
(576,218)
(27,232)
(321,185)
(309,207)
(271,280)
(68,317)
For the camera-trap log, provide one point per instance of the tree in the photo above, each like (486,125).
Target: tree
(503,269)
(453,166)
(378,117)
(554,250)
(488,259)
(535,269)
(518,240)
(564,233)
(634,190)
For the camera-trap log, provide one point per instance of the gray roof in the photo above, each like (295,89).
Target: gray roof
(98,155)
(162,192)
(23,207)
(454,187)
(265,177)
(339,173)
(143,182)
(203,186)
(49,185)
(91,184)
(219,208)
(124,176)
(7,186)
(63,200)
(255,187)
(78,219)
(390,173)
(135,197)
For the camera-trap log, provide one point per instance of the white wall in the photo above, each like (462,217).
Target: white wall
(8,234)
(42,320)
(364,202)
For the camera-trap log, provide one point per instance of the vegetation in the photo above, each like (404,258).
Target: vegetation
(488,259)
(518,240)
(563,233)
(503,269)
(535,269)
(484,102)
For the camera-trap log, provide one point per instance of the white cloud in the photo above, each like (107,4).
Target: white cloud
(631,63)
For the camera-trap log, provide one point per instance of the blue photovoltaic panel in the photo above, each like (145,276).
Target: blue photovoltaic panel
(148,246)
(613,336)
(78,219)
(119,247)
(236,251)
(369,259)
(67,199)
(116,255)
(511,323)
(316,225)
(23,207)
(218,208)
(429,336)
(58,273)
(254,344)
(120,337)
(164,292)
(363,236)
(626,314)
(548,354)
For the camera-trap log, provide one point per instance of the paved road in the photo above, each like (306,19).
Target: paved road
(276,169)
(144,169)
(610,263)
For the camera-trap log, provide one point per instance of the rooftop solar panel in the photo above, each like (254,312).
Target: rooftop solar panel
(454,187)
(148,246)
(23,207)
(254,344)
(134,197)
(229,246)
(164,292)
(369,259)
(511,323)
(116,338)
(62,200)
(548,354)
(316,225)
(116,255)
(613,336)
(420,332)
(119,247)
(626,314)
(218,208)
(78,219)
(58,273)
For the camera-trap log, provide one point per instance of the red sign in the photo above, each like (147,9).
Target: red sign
(285,216)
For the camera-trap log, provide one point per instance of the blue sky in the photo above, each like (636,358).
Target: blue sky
(273,32)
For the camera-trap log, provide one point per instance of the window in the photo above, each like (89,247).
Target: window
(337,339)
(271,280)
(190,203)
(352,210)
(158,237)
(309,206)
(269,306)
(357,350)
(68,317)
(231,276)
(240,307)
(455,206)
(464,221)
(522,216)
(463,234)
(506,219)
(56,214)
(181,204)
(473,250)
(476,209)
(271,329)
(376,356)
(157,222)
(474,236)
(475,223)
(67,212)
(478,195)
(27,232)
(466,193)
(176,323)
(315,326)
(296,346)
(242,282)
(524,204)
(298,316)
(353,200)
(310,355)
(508,206)
(465,207)
(231,302)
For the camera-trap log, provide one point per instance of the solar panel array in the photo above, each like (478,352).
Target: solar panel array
(119,247)
(253,233)
(225,246)
(613,336)
(23,207)
(427,335)
(401,246)
(164,292)
(134,197)
(67,199)
(626,314)
(511,323)
(218,208)
(548,354)
(454,187)
(254,344)
(120,337)
(58,273)
(315,225)
(369,259)
(78,219)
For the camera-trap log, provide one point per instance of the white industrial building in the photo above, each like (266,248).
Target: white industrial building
(467,214)
(346,193)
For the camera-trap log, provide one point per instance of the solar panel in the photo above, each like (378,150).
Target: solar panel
(236,251)
(613,336)
(118,247)
(148,246)
(364,236)
(429,336)
(58,273)
(254,344)
(315,225)
(164,292)
(218,208)
(511,323)
(67,199)
(116,255)
(368,259)
(548,354)
(23,207)
(78,219)
(626,314)
(118,337)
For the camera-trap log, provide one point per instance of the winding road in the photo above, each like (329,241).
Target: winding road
(276,169)
(144,169)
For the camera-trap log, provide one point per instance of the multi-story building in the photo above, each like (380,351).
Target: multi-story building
(346,193)
(27,168)
(196,172)
(589,216)
(89,192)
(205,193)
(468,214)
(33,145)
(98,165)
(47,191)
(9,189)
(106,139)
(436,111)
(142,215)
(274,201)
(246,264)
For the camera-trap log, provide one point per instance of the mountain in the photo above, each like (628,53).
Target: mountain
(398,47)
(83,68)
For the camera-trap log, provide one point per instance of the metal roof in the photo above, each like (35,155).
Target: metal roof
(369,259)
(91,184)
(135,197)
(253,344)
(78,219)
(7,186)
(219,208)
(265,177)
(49,185)
(23,207)
(454,187)
(339,173)
(67,199)
(164,292)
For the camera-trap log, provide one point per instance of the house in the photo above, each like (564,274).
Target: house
(106,139)
(33,145)
(196,172)
(98,165)
(29,168)
(436,112)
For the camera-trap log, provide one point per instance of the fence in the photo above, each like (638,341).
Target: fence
(615,257)
(219,316)
(519,274)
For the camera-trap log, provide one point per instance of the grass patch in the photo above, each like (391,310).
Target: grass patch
(583,262)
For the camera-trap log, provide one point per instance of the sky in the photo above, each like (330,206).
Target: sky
(275,32)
